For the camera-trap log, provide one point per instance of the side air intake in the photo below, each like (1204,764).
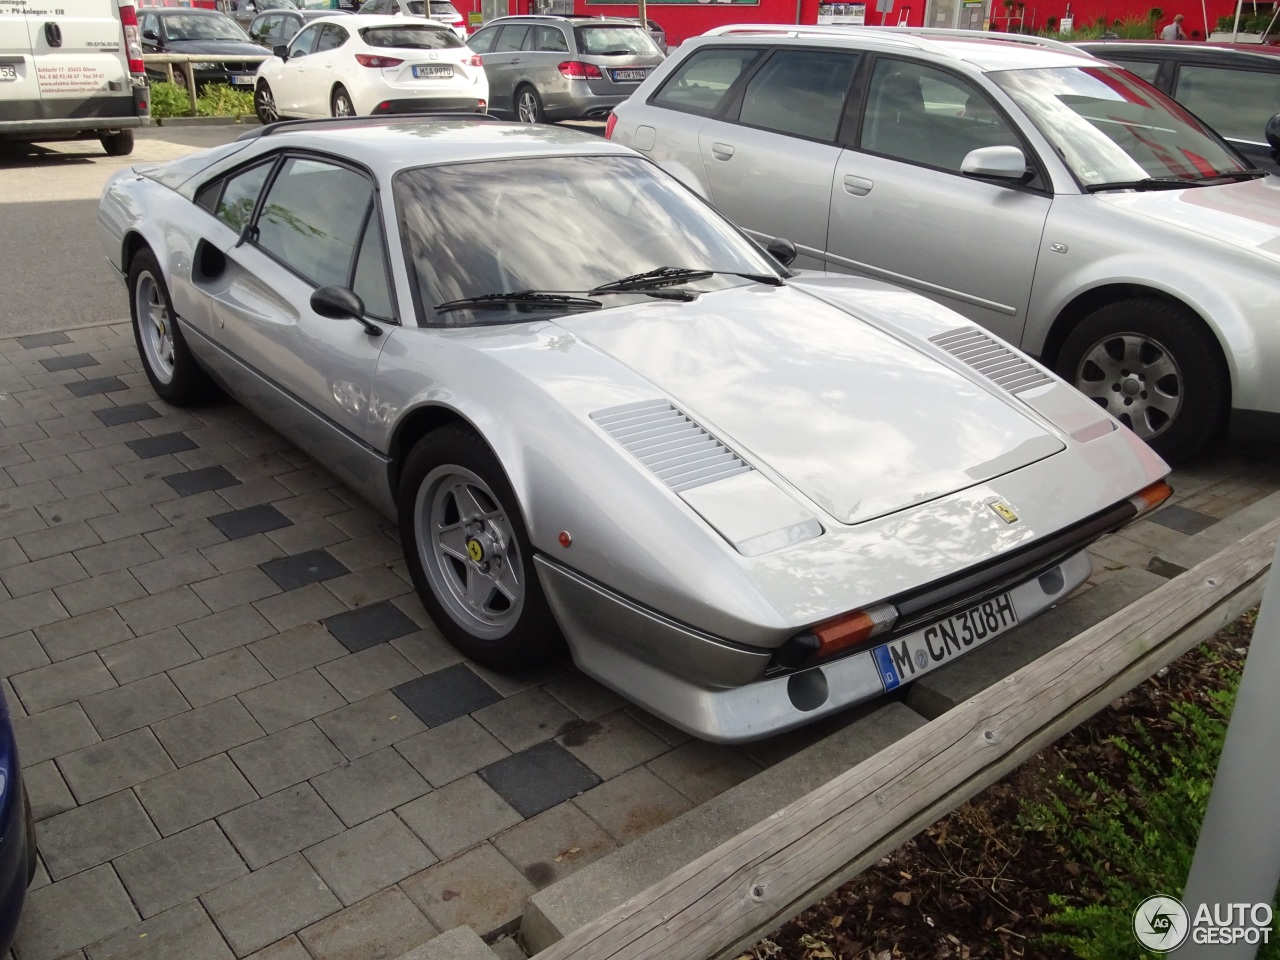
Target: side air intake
(991,358)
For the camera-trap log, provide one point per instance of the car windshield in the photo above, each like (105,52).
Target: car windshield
(443,10)
(1113,128)
(616,40)
(411,36)
(277,5)
(191,26)
(557,225)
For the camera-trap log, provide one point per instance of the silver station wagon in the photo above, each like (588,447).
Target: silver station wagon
(1059,201)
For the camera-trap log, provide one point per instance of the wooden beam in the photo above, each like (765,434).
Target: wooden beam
(746,887)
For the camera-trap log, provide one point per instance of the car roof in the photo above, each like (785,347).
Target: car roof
(198,11)
(385,20)
(1171,50)
(578,19)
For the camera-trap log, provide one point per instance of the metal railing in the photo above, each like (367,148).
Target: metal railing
(187,63)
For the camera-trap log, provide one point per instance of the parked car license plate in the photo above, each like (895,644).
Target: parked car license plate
(8,71)
(904,659)
(433,72)
(619,75)
(245,81)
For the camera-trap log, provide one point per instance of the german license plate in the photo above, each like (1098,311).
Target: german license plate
(242,81)
(433,72)
(906,658)
(629,75)
(8,72)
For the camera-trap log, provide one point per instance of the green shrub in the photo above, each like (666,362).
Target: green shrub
(215,100)
(169,100)
(1249,22)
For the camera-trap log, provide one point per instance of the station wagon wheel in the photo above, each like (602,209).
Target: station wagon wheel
(529,106)
(341,103)
(169,365)
(1156,368)
(468,552)
(264,103)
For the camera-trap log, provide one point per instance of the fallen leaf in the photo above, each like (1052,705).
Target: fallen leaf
(903,897)
(572,851)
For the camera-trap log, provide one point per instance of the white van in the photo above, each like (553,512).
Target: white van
(71,70)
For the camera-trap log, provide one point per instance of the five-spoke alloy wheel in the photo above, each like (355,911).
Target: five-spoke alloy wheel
(172,370)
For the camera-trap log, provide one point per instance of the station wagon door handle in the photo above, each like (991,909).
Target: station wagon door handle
(858,186)
(721,151)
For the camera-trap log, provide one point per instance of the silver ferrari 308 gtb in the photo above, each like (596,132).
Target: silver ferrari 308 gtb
(746,497)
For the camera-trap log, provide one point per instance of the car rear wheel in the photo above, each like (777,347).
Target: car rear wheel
(118,144)
(468,552)
(529,106)
(31,838)
(264,103)
(341,104)
(172,370)
(1156,368)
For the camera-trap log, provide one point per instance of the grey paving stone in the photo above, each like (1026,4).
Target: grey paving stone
(314,566)
(56,540)
(632,804)
(49,469)
(132,413)
(445,695)
(15,705)
(385,925)
(527,718)
(538,778)
(268,904)
(135,705)
(585,697)
(374,784)
(703,770)
(94,833)
(252,493)
(554,844)
(290,948)
(297,649)
(458,815)
(11,554)
(290,756)
(453,750)
(76,508)
(183,933)
(510,682)
(195,534)
(206,731)
(147,655)
(165,573)
(52,733)
(250,520)
(371,550)
(371,586)
(480,889)
(57,683)
(195,793)
(42,575)
(168,609)
(1183,520)
(368,725)
(226,630)
(98,593)
(274,827)
(238,554)
(70,361)
(112,765)
(296,607)
(109,456)
(179,868)
(232,589)
(127,523)
(63,917)
(427,649)
(201,480)
(42,340)
(46,788)
(371,671)
(368,626)
(82,634)
(463,943)
(361,861)
(117,555)
(613,744)
(16,522)
(96,386)
(20,653)
(27,613)
(309,506)
(220,676)
(88,482)
(308,535)
(140,493)
(292,700)
(160,444)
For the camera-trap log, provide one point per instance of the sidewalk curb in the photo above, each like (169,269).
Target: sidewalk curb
(202,121)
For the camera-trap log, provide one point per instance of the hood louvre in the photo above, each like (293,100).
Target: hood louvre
(678,451)
(991,358)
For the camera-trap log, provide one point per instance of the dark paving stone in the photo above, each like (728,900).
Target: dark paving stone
(446,695)
(43,340)
(71,362)
(539,778)
(89,388)
(1184,520)
(200,481)
(1163,568)
(290,573)
(369,626)
(114,416)
(158,446)
(250,520)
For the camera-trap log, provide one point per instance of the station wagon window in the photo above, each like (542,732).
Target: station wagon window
(1236,103)
(606,41)
(370,281)
(1143,68)
(482,40)
(331,38)
(799,92)
(412,36)
(233,202)
(311,218)
(926,116)
(304,42)
(550,39)
(701,84)
(511,38)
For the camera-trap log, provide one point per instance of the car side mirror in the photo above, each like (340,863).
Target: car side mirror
(782,250)
(149,34)
(339,303)
(1273,132)
(996,163)
(281,51)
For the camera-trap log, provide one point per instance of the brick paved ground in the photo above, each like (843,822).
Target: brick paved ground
(240,732)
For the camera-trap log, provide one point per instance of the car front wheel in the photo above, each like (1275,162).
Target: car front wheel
(264,103)
(529,106)
(172,370)
(468,552)
(1156,368)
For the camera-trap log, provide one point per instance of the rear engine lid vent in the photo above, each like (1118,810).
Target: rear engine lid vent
(992,359)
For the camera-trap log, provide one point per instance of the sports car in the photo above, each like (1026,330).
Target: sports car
(746,497)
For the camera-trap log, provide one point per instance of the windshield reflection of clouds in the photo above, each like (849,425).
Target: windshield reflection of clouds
(558,224)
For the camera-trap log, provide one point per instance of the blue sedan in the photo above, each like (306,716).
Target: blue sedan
(17,834)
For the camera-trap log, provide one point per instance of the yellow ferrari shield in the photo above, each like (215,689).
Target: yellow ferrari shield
(475,551)
(1003,511)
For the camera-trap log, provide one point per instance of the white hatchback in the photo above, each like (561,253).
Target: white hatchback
(349,65)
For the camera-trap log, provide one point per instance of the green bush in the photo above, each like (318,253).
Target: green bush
(215,100)
(169,100)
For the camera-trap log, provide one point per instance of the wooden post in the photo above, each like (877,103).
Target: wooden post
(168,72)
(189,71)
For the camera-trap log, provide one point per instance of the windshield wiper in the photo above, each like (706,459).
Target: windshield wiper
(670,276)
(521,298)
(1235,176)
(1148,183)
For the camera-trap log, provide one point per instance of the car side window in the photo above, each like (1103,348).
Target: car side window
(702,83)
(370,281)
(927,116)
(482,40)
(799,92)
(1236,103)
(1143,68)
(511,38)
(151,26)
(304,42)
(311,218)
(331,38)
(548,39)
(262,28)
(233,198)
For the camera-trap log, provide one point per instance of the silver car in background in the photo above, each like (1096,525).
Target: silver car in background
(1062,203)
(543,67)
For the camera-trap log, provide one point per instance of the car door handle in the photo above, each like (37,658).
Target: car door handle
(53,34)
(514,62)
(721,151)
(858,186)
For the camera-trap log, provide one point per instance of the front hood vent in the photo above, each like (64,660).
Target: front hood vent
(678,451)
(991,358)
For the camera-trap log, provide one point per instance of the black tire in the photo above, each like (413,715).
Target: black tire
(528,105)
(340,104)
(1156,367)
(187,383)
(118,144)
(525,633)
(264,103)
(31,838)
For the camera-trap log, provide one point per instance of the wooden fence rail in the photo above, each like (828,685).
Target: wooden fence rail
(729,898)
(186,61)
